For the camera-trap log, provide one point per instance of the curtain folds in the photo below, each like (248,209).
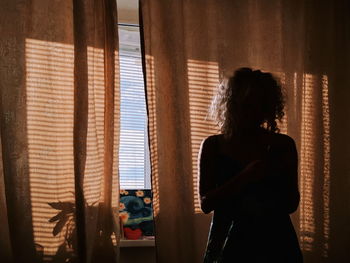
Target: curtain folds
(189,46)
(59,108)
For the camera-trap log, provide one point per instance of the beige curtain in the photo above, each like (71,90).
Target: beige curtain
(189,46)
(59,102)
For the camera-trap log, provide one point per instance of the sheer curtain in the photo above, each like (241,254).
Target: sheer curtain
(188,47)
(59,105)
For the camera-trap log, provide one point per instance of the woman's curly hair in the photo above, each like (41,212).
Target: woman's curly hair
(230,97)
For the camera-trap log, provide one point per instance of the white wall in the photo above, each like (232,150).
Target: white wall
(128,11)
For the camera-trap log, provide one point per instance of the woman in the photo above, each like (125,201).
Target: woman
(249,174)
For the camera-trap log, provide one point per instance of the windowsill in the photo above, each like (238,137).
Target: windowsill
(137,243)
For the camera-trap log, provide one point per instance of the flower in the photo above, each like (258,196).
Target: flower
(121,206)
(124,216)
(139,193)
(147,200)
(124,192)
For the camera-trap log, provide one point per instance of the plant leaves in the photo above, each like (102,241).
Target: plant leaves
(59,216)
(66,206)
(60,224)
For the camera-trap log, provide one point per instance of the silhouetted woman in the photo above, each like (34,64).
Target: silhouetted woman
(249,174)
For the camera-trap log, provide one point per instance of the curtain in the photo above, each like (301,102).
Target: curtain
(59,109)
(189,46)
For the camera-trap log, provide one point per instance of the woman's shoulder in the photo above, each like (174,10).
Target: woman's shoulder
(282,140)
(211,141)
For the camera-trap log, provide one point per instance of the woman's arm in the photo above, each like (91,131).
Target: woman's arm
(289,192)
(211,197)
(281,167)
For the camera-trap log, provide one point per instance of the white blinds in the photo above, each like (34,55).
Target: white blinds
(133,152)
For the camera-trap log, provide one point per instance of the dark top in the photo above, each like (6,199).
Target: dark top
(252,227)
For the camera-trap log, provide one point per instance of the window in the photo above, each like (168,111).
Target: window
(134,161)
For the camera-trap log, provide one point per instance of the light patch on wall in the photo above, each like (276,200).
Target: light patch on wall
(203,77)
(307,164)
(315,164)
(50,118)
(50,107)
(326,164)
